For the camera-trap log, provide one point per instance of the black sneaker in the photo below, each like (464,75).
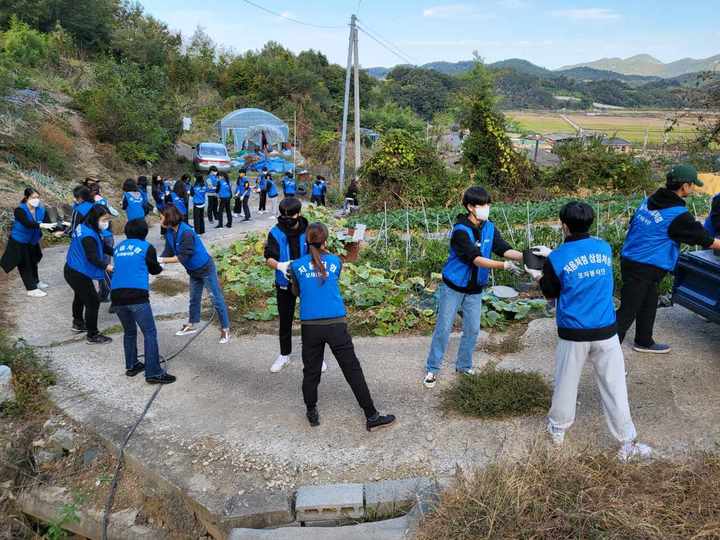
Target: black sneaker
(79,328)
(378,421)
(229,225)
(139,368)
(165,378)
(99,339)
(313,417)
(218,226)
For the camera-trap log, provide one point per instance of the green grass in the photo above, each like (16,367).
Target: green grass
(497,394)
(31,378)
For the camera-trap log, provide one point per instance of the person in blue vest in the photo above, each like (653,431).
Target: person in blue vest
(473,241)
(323,194)
(243,190)
(135,259)
(198,192)
(272,194)
(579,276)
(133,202)
(107,237)
(712,222)
(289,186)
(23,248)
(315,280)
(142,184)
(261,187)
(158,192)
(317,191)
(183,245)
(651,250)
(286,242)
(177,197)
(212,185)
(84,201)
(84,264)
(224,193)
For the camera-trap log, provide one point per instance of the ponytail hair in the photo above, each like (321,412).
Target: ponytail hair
(28,193)
(317,235)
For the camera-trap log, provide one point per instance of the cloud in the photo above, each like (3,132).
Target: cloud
(587,14)
(514,4)
(455,11)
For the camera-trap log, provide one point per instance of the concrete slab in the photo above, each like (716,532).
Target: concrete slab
(387,497)
(329,502)
(392,529)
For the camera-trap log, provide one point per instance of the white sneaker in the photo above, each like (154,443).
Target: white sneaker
(470,371)
(42,285)
(186,330)
(36,293)
(224,336)
(430,380)
(557,435)
(324,367)
(633,450)
(281,362)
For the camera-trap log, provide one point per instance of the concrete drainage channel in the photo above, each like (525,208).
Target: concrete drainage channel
(357,509)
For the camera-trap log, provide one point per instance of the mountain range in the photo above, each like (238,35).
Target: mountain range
(637,69)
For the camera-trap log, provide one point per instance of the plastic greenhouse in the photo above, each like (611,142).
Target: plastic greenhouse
(254,126)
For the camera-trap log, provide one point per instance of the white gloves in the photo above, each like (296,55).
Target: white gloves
(541,251)
(48,226)
(512,267)
(535,274)
(283,267)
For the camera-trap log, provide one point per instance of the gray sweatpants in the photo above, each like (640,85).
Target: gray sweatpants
(607,358)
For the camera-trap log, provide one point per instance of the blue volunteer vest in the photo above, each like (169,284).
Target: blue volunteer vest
(144,195)
(262,183)
(456,271)
(647,240)
(178,203)
(212,182)
(317,190)
(76,254)
(584,268)
(289,186)
(131,271)
(708,220)
(282,240)
(319,299)
(200,256)
(199,195)
(135,205)
(26,235)
(225,189)
(272,189)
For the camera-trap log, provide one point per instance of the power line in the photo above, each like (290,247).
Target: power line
(276,14)
(389,44)
(386,46)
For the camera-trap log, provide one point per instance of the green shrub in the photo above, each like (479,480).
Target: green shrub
(24,45)
(31,152)
(495,393)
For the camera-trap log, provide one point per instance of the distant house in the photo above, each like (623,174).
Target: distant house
(554,139)
(618,144)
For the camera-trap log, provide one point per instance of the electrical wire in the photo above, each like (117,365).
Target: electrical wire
(131,432)
(387,45)
(276,14)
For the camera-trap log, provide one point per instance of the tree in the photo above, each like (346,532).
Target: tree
(392,116)
(488,154)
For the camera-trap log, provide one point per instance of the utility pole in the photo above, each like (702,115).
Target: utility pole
(356,94)
(346,103)
(645,141)
(294,142)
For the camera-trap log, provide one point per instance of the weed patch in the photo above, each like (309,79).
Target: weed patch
(496,393)
(31,378)
(554,495)
(169,287)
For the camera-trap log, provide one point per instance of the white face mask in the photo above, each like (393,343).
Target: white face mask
(103,225)
(482,212)
(34,202)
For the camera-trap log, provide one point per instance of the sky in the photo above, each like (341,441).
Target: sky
(549,33)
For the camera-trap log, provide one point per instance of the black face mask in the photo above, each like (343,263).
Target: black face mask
(290,222)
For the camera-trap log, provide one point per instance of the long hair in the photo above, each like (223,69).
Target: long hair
(317,235)
(28,193)
(180,189)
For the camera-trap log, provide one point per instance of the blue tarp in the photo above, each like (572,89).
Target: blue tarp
(273,164)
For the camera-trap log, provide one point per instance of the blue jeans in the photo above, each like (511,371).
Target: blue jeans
(131,317)
(210,282)
(450,301)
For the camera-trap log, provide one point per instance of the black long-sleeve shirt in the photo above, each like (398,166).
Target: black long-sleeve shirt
(23,218)
(467,250)
(715,213)
(90,248)
(184,253)
(272,249)
(128,296)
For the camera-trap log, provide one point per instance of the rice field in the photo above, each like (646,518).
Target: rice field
(630,126)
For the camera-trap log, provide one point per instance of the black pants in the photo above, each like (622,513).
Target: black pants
(286,310)
(237,206)
(225,207)
(316,200)
(246,207)
(213,213)
(322,201)
(199,219)
(29,275)
(86,300)
(337,337)
(263,201)
(638,302)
